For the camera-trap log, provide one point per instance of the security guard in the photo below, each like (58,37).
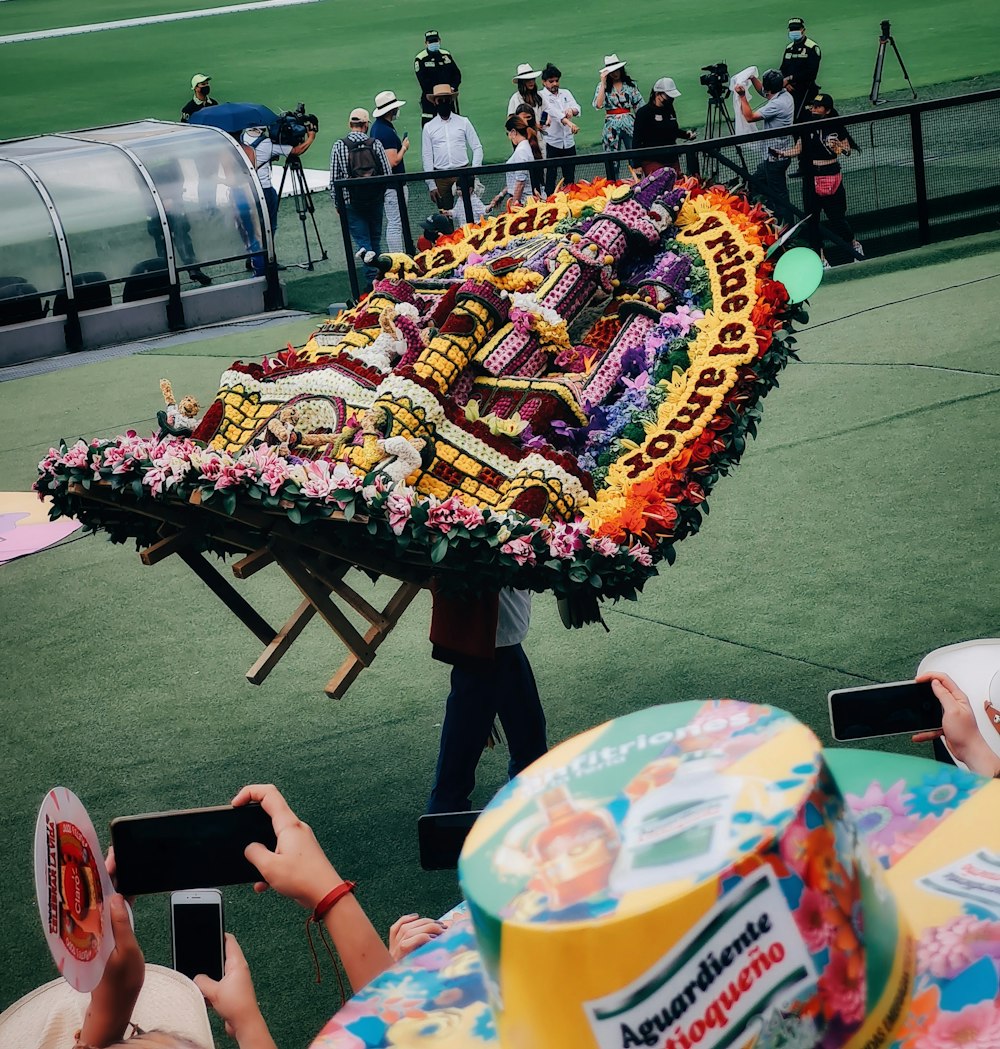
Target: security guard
(434,66)
(800,65)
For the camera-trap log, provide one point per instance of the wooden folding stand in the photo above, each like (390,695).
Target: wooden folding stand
(316,570)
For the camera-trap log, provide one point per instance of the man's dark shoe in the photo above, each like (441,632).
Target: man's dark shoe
(200,278)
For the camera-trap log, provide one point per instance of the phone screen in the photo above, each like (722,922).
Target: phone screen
(164,851)
(883,710)
(442,836)
(197,938)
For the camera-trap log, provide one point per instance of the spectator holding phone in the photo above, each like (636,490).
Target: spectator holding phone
(959,729)
(822,181)
(387,108)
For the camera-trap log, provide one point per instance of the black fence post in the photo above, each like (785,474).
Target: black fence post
(404,217)
(920,177)
(352,269)
(465,186)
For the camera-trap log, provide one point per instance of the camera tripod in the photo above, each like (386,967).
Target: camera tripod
(303,207)
(885,38)
(718,121)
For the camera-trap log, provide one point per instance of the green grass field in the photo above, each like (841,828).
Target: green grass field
(334,59)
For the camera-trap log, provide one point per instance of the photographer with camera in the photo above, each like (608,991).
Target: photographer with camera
(768,181)
(295,133)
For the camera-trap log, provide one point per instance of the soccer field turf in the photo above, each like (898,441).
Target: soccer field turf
(335,55)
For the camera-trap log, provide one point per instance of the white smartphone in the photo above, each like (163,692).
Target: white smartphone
(196,932)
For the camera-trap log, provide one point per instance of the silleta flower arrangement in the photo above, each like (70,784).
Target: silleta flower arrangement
(543,400)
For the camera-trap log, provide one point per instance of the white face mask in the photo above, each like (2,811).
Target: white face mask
(795,35)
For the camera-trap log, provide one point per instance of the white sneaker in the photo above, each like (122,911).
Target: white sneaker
(858,250)
(826,265)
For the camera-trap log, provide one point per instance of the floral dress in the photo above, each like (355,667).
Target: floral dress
(618,126)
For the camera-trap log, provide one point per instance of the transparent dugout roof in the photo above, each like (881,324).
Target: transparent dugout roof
(105,185)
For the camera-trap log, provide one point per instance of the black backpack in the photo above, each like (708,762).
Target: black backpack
(363,163)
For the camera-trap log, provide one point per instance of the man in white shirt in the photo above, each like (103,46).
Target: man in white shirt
(446,142)
(558,108)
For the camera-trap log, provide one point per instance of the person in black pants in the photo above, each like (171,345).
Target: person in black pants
(482,690)
(822,181)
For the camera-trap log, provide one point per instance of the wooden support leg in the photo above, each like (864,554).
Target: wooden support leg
(226,592)
(253,562)
(170,544)
(316,592)
(349,670)
(280,645)
(334,581)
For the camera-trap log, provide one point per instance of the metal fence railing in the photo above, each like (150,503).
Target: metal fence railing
(923,172)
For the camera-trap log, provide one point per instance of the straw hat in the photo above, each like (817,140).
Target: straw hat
(611,63)
(441,91)
(386,102)
(525,72)
(50,1014)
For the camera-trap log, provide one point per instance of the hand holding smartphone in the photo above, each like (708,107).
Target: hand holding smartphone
(897,708)
(197,932)
(164,851)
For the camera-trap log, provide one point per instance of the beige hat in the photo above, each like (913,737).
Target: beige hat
(525,72)
(611,63)
(199,78)
(666,86)
(49,1015)
(442,91)
(359,116)
(386,102)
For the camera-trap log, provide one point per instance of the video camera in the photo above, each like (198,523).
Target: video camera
(715,79)
(293,125)
(885,31)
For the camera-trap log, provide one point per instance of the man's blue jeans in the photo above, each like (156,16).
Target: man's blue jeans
(365,224)
(259,261)
(505,689)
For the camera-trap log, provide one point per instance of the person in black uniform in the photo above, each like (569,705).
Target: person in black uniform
(800,66)
(201,86)
(434,66)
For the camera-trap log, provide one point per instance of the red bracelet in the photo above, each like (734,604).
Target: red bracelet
(331,899)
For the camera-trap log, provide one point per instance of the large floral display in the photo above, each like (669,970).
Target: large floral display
(544,399)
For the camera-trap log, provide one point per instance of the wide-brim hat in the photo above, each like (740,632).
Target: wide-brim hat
(707,873)
(666,86)
(611,63)
(441,91)
(52,1013)
(386,102)
(525,72)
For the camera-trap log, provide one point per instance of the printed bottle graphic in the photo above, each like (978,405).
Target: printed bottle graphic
(574,851)
(681,829)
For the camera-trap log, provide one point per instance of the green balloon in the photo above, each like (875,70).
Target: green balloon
(801,272)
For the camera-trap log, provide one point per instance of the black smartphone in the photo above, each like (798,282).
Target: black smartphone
(900,707)
(197,932)
(441,836)
(164,851)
